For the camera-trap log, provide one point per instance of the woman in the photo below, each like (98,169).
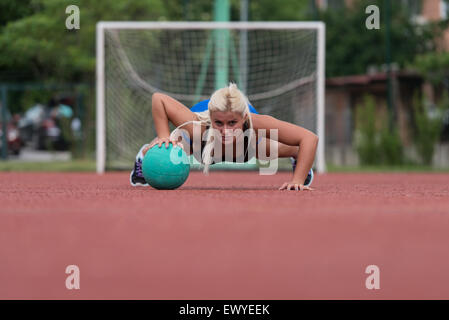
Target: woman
(228,123)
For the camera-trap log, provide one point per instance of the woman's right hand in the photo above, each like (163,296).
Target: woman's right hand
(160,142)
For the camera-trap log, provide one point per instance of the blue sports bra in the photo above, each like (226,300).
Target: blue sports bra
(202,106)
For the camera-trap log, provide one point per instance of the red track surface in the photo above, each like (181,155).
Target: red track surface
(226,236)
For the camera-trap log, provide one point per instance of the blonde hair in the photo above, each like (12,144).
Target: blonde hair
(229,98)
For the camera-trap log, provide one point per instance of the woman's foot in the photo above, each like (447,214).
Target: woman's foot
(136,177)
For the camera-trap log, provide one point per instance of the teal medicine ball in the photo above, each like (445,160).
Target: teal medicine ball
(165,168)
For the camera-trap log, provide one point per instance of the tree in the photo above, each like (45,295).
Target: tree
(351,48)
(14,10)
(35,45)
(428,125)
(434,66)
(41,44)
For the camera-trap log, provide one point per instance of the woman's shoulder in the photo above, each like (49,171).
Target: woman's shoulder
(262,121)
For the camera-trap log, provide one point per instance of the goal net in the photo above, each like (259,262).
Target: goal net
(279,66)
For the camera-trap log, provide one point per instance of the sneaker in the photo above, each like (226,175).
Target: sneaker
(309,178)
(136,177)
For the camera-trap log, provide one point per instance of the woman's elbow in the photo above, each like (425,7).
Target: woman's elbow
(157,102)
(156,98)
(310,139)
(313,138)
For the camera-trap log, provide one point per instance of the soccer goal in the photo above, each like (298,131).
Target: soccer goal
(278,65)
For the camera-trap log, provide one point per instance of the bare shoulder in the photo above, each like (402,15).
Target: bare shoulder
(288,133)
(263,121)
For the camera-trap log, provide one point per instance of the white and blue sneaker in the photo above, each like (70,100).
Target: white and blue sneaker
(309,178)
(136,177)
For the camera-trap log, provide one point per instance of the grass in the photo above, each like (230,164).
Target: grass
(52,166)
(89,166)
(386,168)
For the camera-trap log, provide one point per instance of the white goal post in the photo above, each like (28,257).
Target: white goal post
(280,66)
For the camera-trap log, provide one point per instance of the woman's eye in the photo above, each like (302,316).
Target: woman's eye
(218,123)
(232,123)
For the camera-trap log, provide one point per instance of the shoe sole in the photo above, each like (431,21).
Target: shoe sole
(138,184)
(311,178)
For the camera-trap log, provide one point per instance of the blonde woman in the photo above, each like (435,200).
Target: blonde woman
(223,120)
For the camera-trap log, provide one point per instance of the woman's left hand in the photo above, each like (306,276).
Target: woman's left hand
(294,186)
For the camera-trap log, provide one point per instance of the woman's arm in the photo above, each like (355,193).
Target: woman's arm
(165,109)
(291,135)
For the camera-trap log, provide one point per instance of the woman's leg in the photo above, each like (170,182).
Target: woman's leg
(283,150)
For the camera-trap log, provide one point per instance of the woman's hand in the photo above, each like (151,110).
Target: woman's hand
(160,142)
(296,186)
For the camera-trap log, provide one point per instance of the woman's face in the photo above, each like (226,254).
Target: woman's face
(226,122)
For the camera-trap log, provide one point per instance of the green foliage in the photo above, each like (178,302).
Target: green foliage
(269,10)
(427,126)
(34,41)
(351,48)
(434,66)
(375,142)
(190,10)
(366,133)
(30,98)
(35,45)
(260,10)
(405,168)
(13,10)
(53,166)
(391,150)
(66,130)
(41,44)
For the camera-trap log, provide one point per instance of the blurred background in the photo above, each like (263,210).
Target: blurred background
(387,90)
